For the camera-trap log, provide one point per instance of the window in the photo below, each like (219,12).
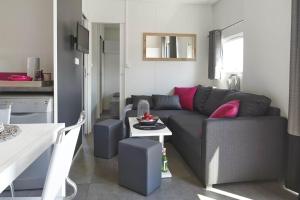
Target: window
(233,54)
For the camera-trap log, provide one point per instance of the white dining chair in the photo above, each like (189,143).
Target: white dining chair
(5,112)
(60,164)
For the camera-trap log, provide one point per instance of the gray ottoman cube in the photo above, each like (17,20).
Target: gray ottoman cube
(107,135)
(140,165)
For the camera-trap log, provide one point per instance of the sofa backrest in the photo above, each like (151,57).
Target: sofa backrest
(273,111)
(250,104)
(215,99)
(208,99)
(201,97)
(128,101)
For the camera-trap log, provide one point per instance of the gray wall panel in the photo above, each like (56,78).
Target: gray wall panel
(69,75)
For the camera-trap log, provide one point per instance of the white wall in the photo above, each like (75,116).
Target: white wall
(156,77)
(142,77)
(104,11)
(267,49)
(26,30)
(225,13)
(266,44)
(266,34)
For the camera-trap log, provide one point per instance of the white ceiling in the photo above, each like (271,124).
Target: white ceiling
(185,1)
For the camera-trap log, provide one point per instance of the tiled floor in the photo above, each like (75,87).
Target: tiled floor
(98,179)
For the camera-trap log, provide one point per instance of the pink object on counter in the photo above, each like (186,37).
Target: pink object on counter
(19,78)
(4,76)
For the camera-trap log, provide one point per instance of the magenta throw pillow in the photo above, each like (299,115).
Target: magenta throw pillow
(227,110)
(186,97)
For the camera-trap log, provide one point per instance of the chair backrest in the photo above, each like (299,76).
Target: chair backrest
(61,159)
(5,110)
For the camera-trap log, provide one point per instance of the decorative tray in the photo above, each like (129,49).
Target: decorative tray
(9,132)
(157,126)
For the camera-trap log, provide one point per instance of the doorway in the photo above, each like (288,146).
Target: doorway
(105,72)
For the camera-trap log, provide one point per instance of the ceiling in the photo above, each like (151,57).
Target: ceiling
(185,1)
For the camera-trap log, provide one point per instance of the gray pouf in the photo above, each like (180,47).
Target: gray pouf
(107,135)
(140,165)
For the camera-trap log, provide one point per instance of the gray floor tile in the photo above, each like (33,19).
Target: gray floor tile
(102,177)
(98,179)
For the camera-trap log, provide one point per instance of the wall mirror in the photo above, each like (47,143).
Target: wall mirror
(169,47)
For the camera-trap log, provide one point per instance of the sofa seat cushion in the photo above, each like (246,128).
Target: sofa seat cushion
(187,128)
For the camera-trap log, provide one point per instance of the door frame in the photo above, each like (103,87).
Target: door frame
(85,64)
(122,87)
(121,71)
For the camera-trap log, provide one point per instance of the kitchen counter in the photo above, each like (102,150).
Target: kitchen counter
(27,89)
(26,86)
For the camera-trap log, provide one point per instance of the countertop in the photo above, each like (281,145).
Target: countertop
(27,89)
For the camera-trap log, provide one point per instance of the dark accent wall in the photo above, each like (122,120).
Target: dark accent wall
(293,163)
(69,75)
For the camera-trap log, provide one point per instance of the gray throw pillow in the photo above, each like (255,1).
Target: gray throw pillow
(201,97)
(250,104)
(137,98)
(165,102)
(215,99)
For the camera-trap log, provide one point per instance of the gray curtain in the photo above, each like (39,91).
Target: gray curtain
(292,179)
(215,54)
(294,103)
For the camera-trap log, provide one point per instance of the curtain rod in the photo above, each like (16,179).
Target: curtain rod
(232,25)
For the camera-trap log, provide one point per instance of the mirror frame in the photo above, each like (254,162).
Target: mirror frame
(194,36)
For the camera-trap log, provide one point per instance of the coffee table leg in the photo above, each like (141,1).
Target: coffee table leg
(161,140)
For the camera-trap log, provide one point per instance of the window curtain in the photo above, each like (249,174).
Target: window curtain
(294,103)
(292,179)
(215,54)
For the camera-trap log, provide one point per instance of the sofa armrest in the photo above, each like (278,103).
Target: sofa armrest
(243,149)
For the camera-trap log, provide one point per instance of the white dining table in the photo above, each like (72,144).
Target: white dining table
(19,152)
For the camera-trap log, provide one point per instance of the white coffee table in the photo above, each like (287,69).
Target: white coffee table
(150,133)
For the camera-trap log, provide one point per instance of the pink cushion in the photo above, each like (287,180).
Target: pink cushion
(186,97)
(227,110)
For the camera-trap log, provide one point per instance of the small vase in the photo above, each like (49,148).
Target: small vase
(142,108)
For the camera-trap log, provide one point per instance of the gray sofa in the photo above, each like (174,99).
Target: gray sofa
(247,148)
